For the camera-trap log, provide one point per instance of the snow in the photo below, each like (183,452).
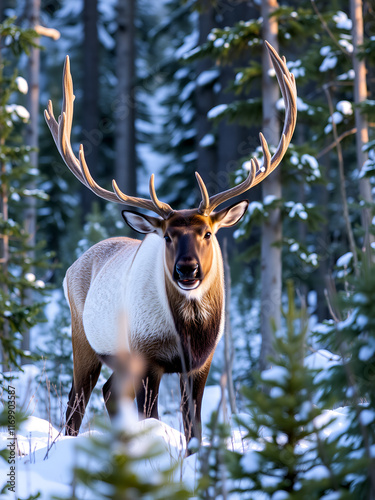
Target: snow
(22,85)
(280,495)
(219,42)
(322,359)
(345,107)
(348,322)
(344,260)
(328,63)
(250,462)
(366,352)
(347,45)
(301,105)
(275,374)
(367,417)
(187,91)
(48,458)
(342,21)
(207,77)
(324,51)
(296,209)
(349,75)
(317,473)
(207,141)
(16,110)
(255,206)
(216,111)
(328,128)
(186,48)
(269,199)
(336,117)
(296,68)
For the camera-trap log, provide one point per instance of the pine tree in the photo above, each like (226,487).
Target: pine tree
(350,382)
(15,272)
(285,456)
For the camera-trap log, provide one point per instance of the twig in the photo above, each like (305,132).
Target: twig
(342,182)
(334,143)
(326,27)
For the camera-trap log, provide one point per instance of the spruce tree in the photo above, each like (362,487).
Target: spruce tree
(15,271)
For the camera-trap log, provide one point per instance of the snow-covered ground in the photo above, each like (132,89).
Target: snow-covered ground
(47,457)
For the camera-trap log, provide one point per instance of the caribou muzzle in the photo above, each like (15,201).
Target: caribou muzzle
(187,274)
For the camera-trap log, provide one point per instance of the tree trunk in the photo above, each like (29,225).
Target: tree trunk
(230,135)
(271,267)
(90,117)
(205,99)
(33,12)
(360,95)
(125,164)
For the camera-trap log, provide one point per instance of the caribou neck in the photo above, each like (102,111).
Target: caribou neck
(199,318)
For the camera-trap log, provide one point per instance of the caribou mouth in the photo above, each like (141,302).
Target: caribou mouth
(188,284)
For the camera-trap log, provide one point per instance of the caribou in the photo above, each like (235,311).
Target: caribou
(167,288)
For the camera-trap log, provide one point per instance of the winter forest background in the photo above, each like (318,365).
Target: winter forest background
(172,88)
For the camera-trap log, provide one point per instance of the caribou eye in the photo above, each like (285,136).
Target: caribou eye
(207,236)
(167,238)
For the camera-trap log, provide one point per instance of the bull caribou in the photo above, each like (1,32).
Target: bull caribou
(169,287)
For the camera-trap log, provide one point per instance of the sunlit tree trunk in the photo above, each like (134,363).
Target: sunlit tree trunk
(125,164)
(360,95)
(271,229)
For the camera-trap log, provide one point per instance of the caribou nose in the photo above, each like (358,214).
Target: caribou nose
(187,270)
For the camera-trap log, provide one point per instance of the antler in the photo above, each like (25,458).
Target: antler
(256,174)
(61,131)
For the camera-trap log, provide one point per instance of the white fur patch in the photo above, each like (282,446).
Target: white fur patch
(127,306)
(129,289)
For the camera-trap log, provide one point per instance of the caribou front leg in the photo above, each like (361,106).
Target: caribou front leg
(192,388)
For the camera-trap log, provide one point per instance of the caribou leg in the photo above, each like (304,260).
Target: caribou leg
(192,388)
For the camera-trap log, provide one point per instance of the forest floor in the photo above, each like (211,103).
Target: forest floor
(47,457)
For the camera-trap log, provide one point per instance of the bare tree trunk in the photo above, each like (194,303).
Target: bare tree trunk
(228,340)
(33,13)
(271,267)
(230,135)
(360,95)
(125,164)
(90,116)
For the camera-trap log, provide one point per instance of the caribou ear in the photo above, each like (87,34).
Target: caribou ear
(141,223)
(228,217)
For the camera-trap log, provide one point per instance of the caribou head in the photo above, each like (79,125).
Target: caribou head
(188,234)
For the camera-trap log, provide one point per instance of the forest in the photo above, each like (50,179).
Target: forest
(163,90)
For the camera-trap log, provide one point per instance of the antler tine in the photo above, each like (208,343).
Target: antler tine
(256,175)
(164,209)
(61,132)
(288,89)
(218,199)
(204,206)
